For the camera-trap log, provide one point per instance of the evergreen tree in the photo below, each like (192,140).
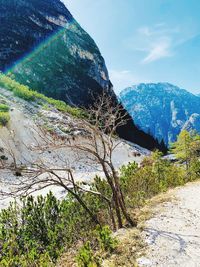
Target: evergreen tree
(186,150)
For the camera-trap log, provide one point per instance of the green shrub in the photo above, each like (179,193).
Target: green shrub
(86,257)
(106,241)
(4,108)
(156,174)
(62,106)
(41,228)
(4,118)
(24,93)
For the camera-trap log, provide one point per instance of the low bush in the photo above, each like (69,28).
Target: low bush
(156,175)
(4,108)
(86,257)
(24,93)
(38,229)
(4,118)
(105,239)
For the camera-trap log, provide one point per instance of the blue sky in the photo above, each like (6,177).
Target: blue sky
(145,40)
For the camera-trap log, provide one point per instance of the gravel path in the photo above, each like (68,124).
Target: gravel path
(173,234)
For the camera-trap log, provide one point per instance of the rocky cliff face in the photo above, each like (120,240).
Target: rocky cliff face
(44,47)
(162,109)
(193,123)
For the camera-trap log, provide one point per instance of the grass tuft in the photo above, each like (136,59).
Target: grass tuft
(4,118)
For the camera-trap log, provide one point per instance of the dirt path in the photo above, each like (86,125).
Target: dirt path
(173,234)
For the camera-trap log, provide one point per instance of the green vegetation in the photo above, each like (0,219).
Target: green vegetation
(106,241)
(4,118)
(86,257)
(4,108)
(187,151)
(4,114)
(27,94)
(38,231)
(156,175)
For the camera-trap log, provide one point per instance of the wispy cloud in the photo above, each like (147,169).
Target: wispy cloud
(162,48)
(158,30)
(159,41)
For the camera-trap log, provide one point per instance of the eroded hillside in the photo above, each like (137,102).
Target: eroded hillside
(30,126)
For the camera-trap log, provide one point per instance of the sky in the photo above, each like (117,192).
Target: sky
(145,40)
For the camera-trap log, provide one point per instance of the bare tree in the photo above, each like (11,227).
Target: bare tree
(103,121)
(97,146)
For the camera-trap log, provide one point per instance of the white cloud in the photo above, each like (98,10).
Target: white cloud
(157,41)
(160,49)
(158,30)
(160,41)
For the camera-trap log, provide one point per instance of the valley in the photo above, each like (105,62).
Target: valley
(92,175)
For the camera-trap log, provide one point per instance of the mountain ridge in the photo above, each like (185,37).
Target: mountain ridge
(161,109)
(169,87)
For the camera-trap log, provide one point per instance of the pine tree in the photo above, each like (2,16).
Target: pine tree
(186,150)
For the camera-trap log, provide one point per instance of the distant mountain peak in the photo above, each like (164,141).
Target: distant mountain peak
(162,109)
(168,87)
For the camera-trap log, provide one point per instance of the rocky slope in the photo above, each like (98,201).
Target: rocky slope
(44,47)
(27,129)
(162,109)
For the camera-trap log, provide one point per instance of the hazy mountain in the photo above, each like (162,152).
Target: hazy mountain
(162,109)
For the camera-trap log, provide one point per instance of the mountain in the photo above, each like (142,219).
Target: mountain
(162,109)
(43,46)
(193,123)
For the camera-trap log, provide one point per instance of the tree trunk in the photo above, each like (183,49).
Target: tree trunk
(117,210)
(120,197)
(114,192)
(112,217)
(127,216)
